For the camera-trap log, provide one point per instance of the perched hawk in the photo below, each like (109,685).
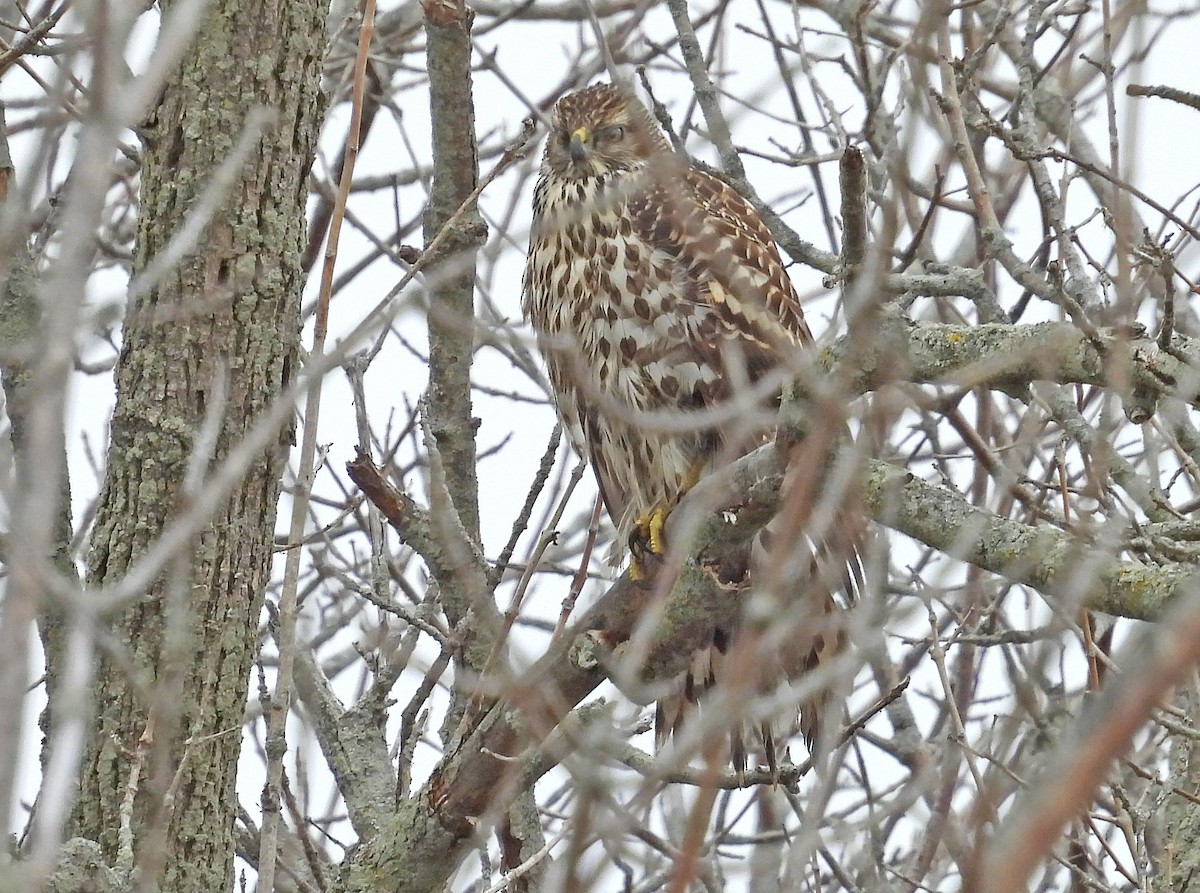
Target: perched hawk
(665,315)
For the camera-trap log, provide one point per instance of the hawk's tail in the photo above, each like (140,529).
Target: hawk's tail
(771,675)
(770,670)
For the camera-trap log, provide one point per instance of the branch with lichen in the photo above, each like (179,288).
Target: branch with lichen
(1011,357)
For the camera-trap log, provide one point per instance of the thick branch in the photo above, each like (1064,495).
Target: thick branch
(1008,357)
(353,744)
(450,426)
(452,300)
(421,846)
(33,393)
(1042,557)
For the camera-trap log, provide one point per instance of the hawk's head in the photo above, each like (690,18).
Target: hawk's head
(601,130)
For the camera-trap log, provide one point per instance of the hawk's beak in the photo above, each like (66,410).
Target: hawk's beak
(580,145)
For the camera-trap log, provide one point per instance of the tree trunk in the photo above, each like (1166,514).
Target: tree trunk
(205,351)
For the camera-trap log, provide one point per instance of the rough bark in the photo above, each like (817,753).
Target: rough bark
(1176,847)
(204,353)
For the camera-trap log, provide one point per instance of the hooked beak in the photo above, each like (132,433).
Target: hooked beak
(580,145)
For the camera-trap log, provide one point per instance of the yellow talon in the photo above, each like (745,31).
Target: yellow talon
(655,522)
(649,531)
(648,538)
(637,573)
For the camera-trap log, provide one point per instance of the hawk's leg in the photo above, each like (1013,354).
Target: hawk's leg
(649,535)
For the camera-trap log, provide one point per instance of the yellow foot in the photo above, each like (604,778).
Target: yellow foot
(648,538)
(650,528)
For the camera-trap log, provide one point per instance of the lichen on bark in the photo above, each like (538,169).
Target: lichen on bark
(214,340)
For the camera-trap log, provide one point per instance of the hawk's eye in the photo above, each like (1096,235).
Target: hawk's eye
(564,138)
(612,134)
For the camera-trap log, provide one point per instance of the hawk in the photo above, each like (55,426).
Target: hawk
(666,320)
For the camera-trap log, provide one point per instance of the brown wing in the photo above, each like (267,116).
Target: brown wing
(732,266)
(726,254)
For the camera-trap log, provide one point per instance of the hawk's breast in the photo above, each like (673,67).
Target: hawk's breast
(619,331)
(596,288)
